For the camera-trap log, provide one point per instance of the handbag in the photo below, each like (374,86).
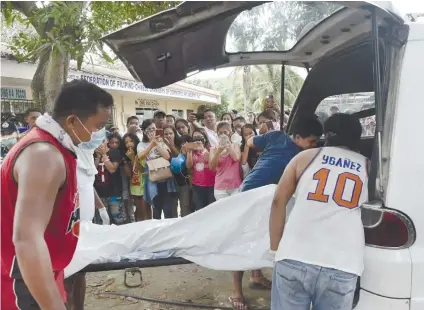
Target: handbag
(159,169)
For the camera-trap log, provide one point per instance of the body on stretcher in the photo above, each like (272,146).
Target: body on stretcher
(239,240)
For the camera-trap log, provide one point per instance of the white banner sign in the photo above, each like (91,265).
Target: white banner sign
(137,87)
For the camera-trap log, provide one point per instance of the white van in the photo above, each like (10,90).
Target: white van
(347,48)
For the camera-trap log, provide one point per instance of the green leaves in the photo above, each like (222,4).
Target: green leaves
(73,28)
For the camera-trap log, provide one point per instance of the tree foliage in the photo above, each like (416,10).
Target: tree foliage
(273,26)
(63,30)
(73,27)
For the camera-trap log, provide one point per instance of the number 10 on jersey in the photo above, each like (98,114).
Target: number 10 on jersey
(322,176)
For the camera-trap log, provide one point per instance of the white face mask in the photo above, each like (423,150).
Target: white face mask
(96,139)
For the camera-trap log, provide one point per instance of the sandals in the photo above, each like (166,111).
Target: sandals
(263,284)
(238,303)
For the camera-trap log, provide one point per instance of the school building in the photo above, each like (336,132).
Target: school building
(130,96)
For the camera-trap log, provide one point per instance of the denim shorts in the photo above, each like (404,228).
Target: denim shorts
(297,286)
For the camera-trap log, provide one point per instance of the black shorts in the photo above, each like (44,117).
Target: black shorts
(24,299)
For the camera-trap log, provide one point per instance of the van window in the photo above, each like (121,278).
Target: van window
(351,104)
(276,26)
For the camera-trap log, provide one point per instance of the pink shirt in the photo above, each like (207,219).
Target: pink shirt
(228,174)
(202,175)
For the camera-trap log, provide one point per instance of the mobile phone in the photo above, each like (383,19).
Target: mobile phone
(199,116)
(224,140)
(270,125)
(159,132)
(192,145)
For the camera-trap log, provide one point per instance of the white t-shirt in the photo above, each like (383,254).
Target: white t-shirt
(86,173)
(212,136)
(153,154)
(325,227)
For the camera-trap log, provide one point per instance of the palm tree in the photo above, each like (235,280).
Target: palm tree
(274,26)
(267,80)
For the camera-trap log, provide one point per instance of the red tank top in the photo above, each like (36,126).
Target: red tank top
(62,231)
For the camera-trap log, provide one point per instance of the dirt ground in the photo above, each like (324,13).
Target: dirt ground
(183,283)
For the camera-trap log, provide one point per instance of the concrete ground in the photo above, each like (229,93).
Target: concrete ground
(184,283)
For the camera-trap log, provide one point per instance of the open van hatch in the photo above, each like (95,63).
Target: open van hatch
(165,48)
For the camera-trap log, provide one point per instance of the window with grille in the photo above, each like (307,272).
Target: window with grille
(178,113)
(144,113)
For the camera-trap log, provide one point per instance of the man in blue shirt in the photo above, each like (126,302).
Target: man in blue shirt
(277,150)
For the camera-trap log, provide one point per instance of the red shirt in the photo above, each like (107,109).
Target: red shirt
(61,234)
(202,175)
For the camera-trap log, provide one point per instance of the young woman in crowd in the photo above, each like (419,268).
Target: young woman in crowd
(161,194)
(227,117)
(265,122)
(171,139)
(134,170)
(182,127)
(186,210)
(203,179)
(108,179)
(225,160)
(115,142)
(249,156)
(251,119)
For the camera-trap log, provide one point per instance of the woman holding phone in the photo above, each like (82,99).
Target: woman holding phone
(203,179)
(163,194)
(182,127)
(225,160)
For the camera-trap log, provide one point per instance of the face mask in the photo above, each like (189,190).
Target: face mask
(96,140)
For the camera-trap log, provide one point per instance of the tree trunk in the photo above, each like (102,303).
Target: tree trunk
(37,83)
(246,87)
(55,74)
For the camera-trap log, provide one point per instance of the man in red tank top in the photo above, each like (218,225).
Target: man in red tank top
(39,199)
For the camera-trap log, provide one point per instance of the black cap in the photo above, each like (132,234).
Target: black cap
(159,112)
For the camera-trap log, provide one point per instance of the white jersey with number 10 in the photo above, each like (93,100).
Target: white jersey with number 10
(325,228)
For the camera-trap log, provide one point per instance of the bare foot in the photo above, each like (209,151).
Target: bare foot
(239,303)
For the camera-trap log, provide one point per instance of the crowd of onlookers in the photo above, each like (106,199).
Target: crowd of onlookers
(176,166)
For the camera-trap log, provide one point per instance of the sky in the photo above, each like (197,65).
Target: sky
(404,7)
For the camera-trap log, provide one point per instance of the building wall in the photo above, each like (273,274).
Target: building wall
(128,104)
(130,97)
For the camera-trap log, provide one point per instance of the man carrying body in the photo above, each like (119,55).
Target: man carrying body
(320,254)
(277,150)
(39,199)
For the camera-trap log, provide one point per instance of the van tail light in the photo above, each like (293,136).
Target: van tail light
(387,228)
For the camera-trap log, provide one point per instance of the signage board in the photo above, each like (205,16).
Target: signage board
(133,86)
(13,93)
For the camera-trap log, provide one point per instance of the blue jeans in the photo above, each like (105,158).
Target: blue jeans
(296,285)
